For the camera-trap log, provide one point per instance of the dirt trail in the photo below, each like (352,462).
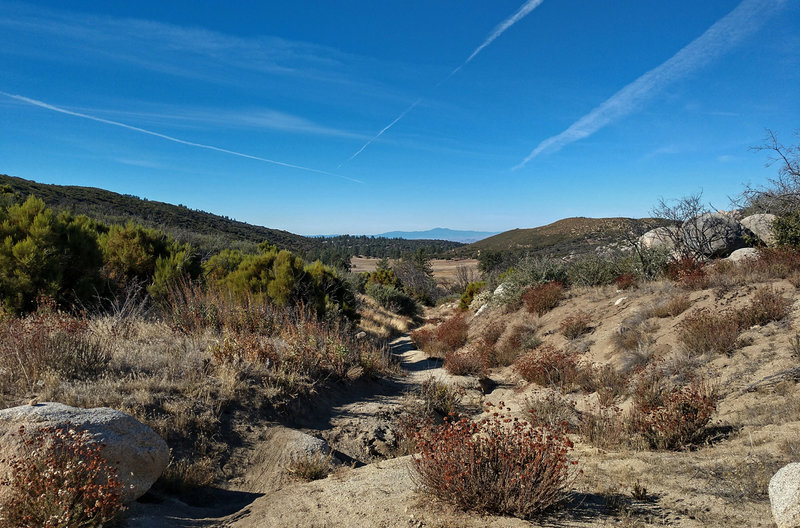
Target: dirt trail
(355,421)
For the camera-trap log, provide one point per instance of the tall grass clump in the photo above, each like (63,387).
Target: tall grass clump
(48,341)
(703,331)
(497,465)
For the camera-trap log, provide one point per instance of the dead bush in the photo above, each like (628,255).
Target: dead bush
(553,410)
(542,298)
(603,427)
(704,332)
(310,467)
(604,380)
(497,465)
(467,361)
(576,325)
(672,307)
(767,306)
(688,272)
(679,420)
(521,338)
(447,337)
(549,366)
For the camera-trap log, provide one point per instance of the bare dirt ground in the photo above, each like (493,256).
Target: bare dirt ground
(719,483)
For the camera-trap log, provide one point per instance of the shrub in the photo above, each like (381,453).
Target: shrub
(521,338)
(497,465)
(447,337)
(439,398)
(702,331)
(591,271)
(392,299)
(542,298)
(776,263)
(625,281)
(310,467)
(473,288)
(465,362)
(576,325)
(672,307)
(491,334)
(688,272)
(679,421)
(604,380)
(53,341)
(548,366)
(553,410)
(767,306)
(603,427)
(787,229)
(61,481)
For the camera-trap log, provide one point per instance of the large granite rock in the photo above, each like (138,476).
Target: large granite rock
(714,234)
(784,496)
(139,454)
(761,226)
(743,254)
(660,237)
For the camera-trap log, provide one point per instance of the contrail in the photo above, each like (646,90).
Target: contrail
(384,129)
(526,8)
(42,104)
(728,31)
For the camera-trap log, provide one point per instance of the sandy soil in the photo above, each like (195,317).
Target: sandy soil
(720,483)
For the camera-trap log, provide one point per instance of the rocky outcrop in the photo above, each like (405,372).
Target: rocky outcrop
(784,496)
(714,235)
(761,226)
(660,237)
(743,254)
(139,454)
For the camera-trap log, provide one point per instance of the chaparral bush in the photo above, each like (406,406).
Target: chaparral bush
(542,298)
(60,480)
(548,366)
(703,331)
(576,325)
(497,465)
(447,337)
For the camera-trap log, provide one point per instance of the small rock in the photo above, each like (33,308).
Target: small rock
(784,496)
(361,335)
(620,301)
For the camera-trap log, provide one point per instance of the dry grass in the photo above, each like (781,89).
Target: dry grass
(380,322)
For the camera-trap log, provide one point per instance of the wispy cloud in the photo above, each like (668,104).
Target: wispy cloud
(501,28)
(53,108)
(744,20)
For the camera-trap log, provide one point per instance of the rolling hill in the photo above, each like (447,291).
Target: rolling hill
(568,236)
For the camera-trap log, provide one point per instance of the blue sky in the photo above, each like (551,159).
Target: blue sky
(511,113)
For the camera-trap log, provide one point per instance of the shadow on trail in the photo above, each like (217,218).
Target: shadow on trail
(406,345)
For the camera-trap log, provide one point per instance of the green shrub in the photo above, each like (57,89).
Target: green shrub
(592,271)
(787,229)
(473,288)
(392,299)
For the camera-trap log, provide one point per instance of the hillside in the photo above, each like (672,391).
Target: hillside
(564,237)
(208,231)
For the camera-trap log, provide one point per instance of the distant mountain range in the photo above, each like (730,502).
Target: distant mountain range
(440,233)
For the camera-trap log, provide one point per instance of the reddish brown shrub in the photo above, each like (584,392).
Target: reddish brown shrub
(447,337)
(491,334)
(604,380)
(497,465)
(542,298)
(471,360)
(625,281)
(603,427)
(576,325)
(61,481)
(689,273)
(776,263)
(703,331)
(549,366)
(679,421)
